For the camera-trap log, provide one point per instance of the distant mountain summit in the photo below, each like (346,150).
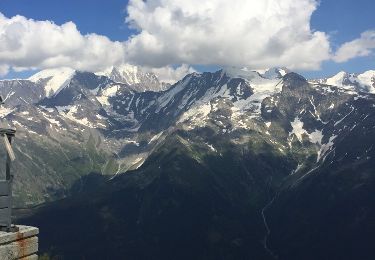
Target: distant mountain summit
(53,80)
(274,73)
(134,76)
(271,73)
(364,82)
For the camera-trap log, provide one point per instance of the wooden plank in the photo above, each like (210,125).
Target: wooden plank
(4,202)
(4,216)
(9,148)
(5,188)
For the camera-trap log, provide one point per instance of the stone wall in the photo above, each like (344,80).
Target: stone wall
(19,245)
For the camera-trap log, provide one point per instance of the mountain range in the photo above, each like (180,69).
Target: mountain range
(232,164)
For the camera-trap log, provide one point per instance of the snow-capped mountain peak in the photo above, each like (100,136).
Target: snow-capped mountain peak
(124,73)
(53,80)
(368,78)
(258,82)
(364,82)
(337,80)
(249,75)
(273,73)
(133,76)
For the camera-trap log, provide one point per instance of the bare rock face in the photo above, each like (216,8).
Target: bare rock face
(20,92)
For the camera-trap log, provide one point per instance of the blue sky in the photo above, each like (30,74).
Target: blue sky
(343,21)
(91,16)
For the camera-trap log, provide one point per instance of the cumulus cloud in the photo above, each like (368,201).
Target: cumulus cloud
(360,47)
(27,44)
(243,33)
(4,70)
(252,33)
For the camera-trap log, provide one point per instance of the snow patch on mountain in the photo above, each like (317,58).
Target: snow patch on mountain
(106,93)
(50,119)
(298,129)
(70,112)
(4,111)
(164,100)
(10,94)
(197,115)
(254,102)
(212,148)
(322,153)
(316,137)
(155,137)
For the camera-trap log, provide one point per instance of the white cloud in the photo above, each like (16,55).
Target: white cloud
(252,33)
(244,33)
(360,47)
(169,74)
(29,44)
(4,69)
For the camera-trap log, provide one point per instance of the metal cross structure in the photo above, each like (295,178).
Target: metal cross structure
(6,185)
